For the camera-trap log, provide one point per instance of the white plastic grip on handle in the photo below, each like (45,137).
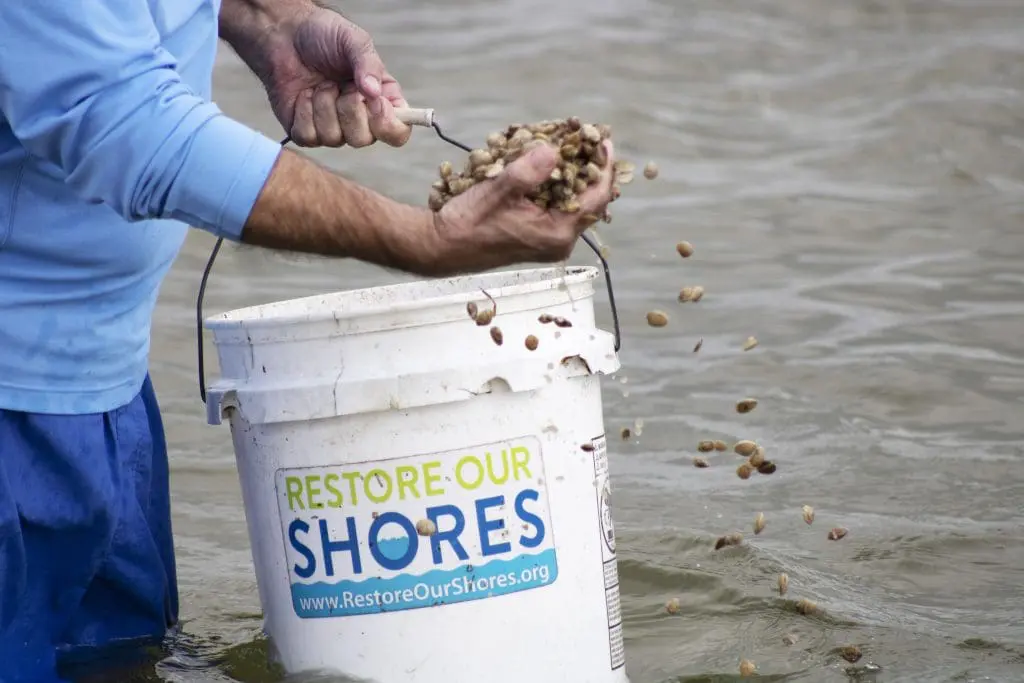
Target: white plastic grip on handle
(415,117)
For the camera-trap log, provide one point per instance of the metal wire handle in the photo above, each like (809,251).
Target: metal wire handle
(413,117)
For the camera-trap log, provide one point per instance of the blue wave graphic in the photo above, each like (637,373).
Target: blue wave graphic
(393,548)
(435,587)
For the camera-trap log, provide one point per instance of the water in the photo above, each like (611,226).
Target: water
(851,173)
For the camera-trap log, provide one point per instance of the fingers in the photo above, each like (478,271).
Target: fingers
(303,131)
(596,197)
(353,118)
(528,171)
(384,125)
(325,115)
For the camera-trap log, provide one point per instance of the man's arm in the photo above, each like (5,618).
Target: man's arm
(96,95)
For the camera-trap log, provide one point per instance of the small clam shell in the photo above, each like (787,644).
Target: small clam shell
(700,462)
(767,467)
(851,653)
(495,169)
(625,433)
(757,459)
(472,310)
(561,322)
(657,319)
(651,170)
(734,538)
(480,157)
(746,405)
(590,133)
(706,446)
(545,318)
(805,606)
(747,667)
(496,140)
(750,343)
(745,448)
(521,136)
(759,523)
(744,471)
(531,342)
(685,249)
(445,169)
(837,533)
(569,152)
(497,336)
(435,201)
(426,527)
(623,166)
(721,445)
(673,606)
(783,583)
(789,639)
(587,447)
(484,317)
(691,294)
(808,513)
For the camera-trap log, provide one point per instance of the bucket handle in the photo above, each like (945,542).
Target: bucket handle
(200,356)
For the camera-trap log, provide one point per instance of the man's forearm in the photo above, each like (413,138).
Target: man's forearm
(304,207)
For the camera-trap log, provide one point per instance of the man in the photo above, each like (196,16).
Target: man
(109,148)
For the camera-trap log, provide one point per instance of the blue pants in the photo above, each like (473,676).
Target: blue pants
(86,554)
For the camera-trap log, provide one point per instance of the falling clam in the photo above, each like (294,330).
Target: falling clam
(759,523)
(836,533)
(783,583)
(744,471)
(691,294)
(745,448)
(700,462)
(657,319)
(808,513)
(684,249)
(426,527)
(735,538)
(746,405)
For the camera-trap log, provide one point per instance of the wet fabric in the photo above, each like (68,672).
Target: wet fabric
(86,552)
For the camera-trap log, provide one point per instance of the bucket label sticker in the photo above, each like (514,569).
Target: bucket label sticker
(420,531)
(616,646)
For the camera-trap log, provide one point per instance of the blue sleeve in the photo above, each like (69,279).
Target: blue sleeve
(86,85)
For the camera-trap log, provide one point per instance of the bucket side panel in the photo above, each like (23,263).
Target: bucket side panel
(460,542)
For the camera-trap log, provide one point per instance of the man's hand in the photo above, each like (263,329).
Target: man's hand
(327,84)
(493,224)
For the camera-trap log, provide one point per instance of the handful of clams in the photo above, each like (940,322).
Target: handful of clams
(581,158)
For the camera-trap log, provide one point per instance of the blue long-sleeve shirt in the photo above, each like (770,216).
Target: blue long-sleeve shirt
(109,149)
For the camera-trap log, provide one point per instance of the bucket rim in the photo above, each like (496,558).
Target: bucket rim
(281,313)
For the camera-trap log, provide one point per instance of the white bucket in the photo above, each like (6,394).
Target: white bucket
(355,415)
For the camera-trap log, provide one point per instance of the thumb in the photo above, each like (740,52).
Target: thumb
(367,66)
(528,171)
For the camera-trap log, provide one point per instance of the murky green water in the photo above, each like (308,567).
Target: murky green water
(852,175)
